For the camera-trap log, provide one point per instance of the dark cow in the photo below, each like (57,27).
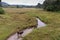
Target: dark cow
(19,33)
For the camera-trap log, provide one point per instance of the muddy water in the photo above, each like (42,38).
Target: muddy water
(26,31)
(40,23)
(13,37)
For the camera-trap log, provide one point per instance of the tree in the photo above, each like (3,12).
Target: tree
(52,5)
(0,3)
(1,10)
(17,6)
(38,5)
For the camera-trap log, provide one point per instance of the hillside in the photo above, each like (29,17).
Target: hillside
(4,4)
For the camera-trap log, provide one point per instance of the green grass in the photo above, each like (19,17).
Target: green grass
(51,31)
(10,21)
(13,19)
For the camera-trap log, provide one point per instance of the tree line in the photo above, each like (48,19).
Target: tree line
(51,5)
(1,10)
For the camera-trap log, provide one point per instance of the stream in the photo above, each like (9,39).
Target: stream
(27,31)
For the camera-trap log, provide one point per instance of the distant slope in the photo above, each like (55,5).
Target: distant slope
(4,4)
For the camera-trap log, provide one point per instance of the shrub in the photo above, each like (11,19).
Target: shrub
(1,11)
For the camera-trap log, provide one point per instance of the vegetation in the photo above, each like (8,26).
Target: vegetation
(0,3)
(14,18)
(52,5)
(51,31)
(38,5)
(1,11)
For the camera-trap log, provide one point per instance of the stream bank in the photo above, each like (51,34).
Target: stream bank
(27,31)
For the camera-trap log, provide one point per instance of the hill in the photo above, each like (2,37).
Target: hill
(4,4)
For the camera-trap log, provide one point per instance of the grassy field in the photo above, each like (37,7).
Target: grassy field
(51,31)
(14,18)
(25,17)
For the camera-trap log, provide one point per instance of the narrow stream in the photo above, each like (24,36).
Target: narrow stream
(40,23)
(26,31)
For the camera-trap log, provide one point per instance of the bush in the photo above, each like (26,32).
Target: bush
(52,6)
(1,11)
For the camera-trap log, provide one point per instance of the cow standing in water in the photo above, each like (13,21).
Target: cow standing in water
(19,33)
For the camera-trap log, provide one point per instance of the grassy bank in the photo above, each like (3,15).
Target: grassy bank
(12,19)
(51,31)
(25,17)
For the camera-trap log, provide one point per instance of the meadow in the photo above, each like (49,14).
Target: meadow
(25,18)
(12,19)
(51,31)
